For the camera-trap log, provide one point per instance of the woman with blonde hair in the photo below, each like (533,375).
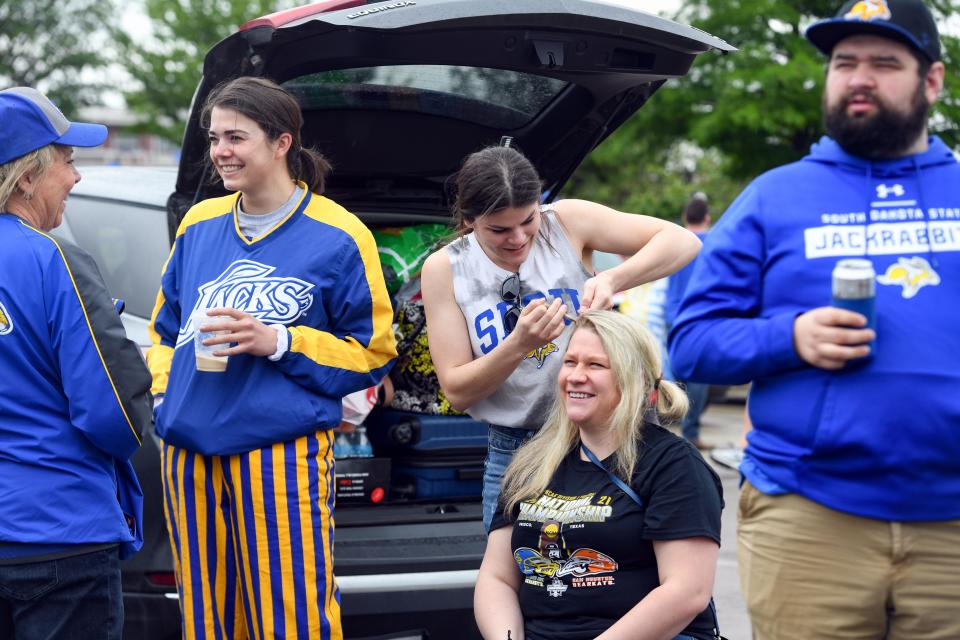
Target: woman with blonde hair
(608,524)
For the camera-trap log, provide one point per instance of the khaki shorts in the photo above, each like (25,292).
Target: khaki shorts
(812,573)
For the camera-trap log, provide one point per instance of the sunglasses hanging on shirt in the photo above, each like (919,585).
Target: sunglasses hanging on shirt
(510,293)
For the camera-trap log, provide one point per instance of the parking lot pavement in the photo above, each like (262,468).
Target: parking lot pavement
(731,610)
(721,425)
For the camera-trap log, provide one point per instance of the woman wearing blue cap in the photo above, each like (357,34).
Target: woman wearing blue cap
(74,396)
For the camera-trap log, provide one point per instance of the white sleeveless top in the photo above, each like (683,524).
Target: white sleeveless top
(550,271)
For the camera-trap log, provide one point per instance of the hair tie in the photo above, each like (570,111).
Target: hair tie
(655,394)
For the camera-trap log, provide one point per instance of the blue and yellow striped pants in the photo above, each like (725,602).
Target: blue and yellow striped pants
(252,539)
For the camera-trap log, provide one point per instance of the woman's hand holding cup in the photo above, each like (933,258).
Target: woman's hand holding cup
(240,332)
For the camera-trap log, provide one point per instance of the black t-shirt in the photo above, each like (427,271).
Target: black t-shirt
(585,548)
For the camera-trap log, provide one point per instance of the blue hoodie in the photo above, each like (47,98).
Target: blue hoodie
(881,437)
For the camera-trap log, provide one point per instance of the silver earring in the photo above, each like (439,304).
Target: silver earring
(27,196)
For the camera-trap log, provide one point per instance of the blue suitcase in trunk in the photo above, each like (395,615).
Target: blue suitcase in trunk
(448,478)
(433,456)
(405,433)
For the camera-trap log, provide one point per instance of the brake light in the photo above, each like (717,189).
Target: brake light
(162,579)
(287,16)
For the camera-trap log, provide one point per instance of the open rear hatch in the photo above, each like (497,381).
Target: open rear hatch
(397,93)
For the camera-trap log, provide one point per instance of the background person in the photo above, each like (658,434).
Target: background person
(696,218)
(851,467)
(731,456)
(247,456)
(74,396)
(571,554)
(495,299)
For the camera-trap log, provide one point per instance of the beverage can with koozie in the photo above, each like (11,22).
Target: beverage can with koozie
(854,289)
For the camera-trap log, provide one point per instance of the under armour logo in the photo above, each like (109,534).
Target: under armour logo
(883,191)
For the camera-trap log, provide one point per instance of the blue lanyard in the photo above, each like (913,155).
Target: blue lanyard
(613,477)
(633,496)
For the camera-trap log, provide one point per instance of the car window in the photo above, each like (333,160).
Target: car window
(128,242)
(493,97)
(603,260)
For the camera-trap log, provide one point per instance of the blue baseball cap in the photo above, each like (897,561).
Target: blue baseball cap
(907,21)
(31,121)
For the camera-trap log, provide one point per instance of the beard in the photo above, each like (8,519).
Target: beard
(887,133)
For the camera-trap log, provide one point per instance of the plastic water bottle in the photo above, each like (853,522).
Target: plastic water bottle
(342,446)
(361,445)
(352,444)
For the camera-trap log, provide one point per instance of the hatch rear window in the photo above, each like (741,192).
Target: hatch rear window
(492,97)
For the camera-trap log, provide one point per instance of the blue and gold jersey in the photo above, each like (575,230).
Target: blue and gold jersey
(73,401)
(316,272)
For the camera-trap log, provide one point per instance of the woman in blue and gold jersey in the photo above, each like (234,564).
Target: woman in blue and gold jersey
(293,289)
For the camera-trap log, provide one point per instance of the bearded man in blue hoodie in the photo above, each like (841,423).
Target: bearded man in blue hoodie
(849,518)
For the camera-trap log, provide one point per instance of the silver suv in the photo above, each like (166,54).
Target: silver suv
(395,94)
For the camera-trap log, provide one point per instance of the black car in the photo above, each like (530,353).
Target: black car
(395,94)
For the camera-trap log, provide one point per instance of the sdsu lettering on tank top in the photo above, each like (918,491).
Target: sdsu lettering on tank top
(551,270)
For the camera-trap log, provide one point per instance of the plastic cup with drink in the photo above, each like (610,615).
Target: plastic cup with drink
(206,360)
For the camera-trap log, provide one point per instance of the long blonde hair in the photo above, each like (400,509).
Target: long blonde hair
(634,356)
(37,162)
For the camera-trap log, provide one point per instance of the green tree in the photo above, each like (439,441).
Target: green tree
(757,108)
(167,67)
(49,44)
(761,106)
(628,174)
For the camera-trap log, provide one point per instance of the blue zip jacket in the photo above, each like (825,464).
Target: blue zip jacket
(317,272)
(881,437)
(74,399)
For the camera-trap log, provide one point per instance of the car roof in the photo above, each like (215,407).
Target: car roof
(395,94)
(146,185)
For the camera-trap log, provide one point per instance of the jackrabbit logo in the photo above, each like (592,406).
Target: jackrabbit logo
(6,323)
(869,10)
(248,286)
(910,273)
(540,353)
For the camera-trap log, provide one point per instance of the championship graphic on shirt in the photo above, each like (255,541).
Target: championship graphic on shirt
(6,324)
(248,286)
(894,224)
(552,565)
